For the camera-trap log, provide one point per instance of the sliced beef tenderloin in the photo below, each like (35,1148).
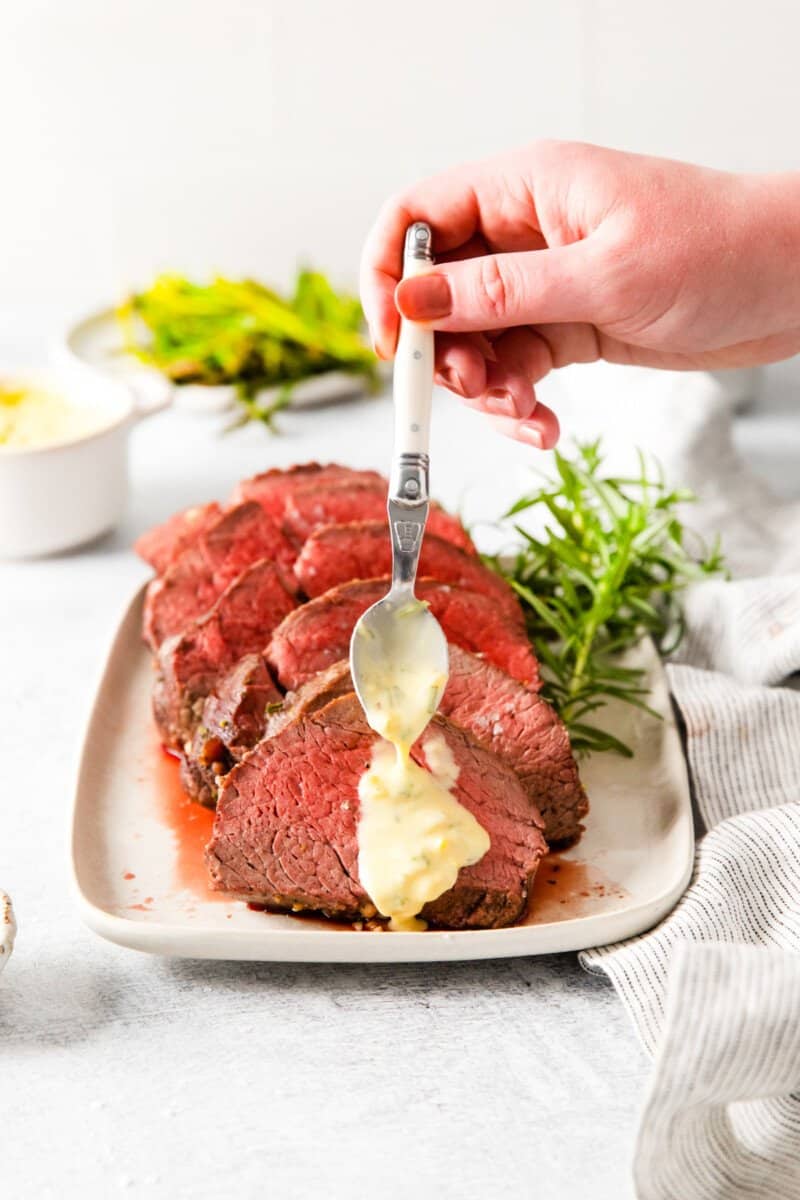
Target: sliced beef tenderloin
(285,833)
(318,633)
(161,546)
(335,554)
(343,501)
(313,694)
(271,489)
(516,723)
(233,719)
(245,707)
(190,663)
(523,730)
(200,574)
(242,711)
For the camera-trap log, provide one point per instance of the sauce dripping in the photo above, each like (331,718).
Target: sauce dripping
(413,835)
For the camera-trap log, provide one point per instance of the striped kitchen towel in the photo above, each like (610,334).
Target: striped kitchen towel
(714,990)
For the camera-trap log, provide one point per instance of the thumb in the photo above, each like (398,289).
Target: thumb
(497,291)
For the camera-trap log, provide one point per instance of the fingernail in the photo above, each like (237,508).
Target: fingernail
(500,402)
(452,380)
(530,433)
(424,297)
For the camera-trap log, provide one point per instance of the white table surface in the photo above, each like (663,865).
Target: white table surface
(125,1075)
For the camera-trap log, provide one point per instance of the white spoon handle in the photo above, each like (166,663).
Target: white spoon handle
(413,387)
(413,364)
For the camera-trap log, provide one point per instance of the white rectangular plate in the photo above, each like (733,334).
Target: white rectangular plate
(137,846)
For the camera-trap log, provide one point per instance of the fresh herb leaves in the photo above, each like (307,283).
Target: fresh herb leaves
(242,333)
(606,572)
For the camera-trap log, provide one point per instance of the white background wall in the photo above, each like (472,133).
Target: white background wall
(241,135)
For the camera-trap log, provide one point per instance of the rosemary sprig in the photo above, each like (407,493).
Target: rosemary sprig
(606,572)
(243,333)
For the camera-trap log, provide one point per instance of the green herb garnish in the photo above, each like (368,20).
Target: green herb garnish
(245,334)
(606,572)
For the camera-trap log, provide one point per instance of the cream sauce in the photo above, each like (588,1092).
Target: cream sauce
(413,835)
(33,416)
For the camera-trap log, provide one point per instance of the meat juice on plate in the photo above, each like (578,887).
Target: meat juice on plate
(413,835)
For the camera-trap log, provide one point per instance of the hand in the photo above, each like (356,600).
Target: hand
(567,253)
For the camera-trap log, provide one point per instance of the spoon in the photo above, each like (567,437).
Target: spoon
(398,651)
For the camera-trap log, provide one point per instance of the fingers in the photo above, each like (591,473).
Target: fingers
(510,401)
(498,375)
(508,393)
(497,291)
(460,365)
(502,387)
(541,430)
(496,378)
(474,248)
(523,351)
(448,203)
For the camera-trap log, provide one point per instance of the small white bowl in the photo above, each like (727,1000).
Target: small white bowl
(63,494)
(8,929)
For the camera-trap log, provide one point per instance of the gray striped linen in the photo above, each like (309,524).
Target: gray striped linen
(714,989)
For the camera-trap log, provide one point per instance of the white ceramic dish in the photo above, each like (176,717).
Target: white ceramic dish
(137,846)
(94,341)
(8,929)
(63,494)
